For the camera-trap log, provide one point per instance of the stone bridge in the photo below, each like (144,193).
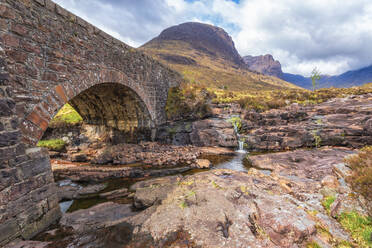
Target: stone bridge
(48,57)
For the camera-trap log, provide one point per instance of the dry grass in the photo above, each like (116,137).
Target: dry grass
(188,103)
(264,100)
(361,178)
(212,71)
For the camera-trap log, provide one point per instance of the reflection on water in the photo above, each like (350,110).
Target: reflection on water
(94,199)
(234,163)
(65,205)
(85,203)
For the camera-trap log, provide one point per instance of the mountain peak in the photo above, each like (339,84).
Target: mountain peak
(206,55)
(264,64)
(206,38)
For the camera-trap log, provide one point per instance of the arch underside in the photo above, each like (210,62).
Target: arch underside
(115,106)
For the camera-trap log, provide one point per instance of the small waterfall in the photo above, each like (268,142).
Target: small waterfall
(236,128)
(240,141)
(241,146)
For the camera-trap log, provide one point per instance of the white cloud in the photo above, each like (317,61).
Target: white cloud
(333,35)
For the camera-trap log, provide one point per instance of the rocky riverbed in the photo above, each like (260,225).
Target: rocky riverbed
(278,201)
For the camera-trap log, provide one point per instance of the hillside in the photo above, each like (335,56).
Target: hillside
(206,55)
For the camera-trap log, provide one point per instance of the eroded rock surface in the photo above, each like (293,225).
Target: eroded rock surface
(337,122)
(97,217)
(278,203)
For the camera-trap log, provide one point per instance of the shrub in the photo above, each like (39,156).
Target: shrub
(188,102)
(236,122)
(361,176)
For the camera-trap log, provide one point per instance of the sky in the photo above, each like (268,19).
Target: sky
(333,35)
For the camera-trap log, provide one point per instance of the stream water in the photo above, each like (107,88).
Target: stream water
(234,162)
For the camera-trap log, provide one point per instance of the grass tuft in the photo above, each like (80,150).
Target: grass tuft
(327,202)
(313,244)
(359,226)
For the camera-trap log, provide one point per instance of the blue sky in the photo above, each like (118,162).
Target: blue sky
(334,35)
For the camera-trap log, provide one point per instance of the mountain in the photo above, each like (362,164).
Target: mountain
(268,66)
(349,78)
(206,55)
(264,64)
(304,82)
(344,80)
(205,38)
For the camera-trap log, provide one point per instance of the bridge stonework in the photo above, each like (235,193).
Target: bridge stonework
(49,57)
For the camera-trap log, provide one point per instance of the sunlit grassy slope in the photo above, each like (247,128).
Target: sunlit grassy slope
(210,70)
(67,115)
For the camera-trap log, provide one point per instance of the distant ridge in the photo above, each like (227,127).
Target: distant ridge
(268,66)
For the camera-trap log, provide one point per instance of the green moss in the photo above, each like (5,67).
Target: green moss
(327,202)
(359,226)
(53,144)
(344,244)
(216,185)
(183,205)
(313,244)
(67,115)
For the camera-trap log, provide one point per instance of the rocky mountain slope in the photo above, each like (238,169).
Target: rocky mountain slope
(268,66)
(264,64)
(206,55)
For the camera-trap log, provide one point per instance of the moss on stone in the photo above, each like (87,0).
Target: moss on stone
(53,144)
(327,202)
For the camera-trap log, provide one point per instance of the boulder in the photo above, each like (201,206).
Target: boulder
(100,216)
(115,194)
(203,163)
(330,181)
(78,157)
(153,191)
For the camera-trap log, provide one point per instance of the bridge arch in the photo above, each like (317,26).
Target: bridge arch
(110,100)
(48,57)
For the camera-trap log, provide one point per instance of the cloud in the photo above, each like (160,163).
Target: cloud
(332,35)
